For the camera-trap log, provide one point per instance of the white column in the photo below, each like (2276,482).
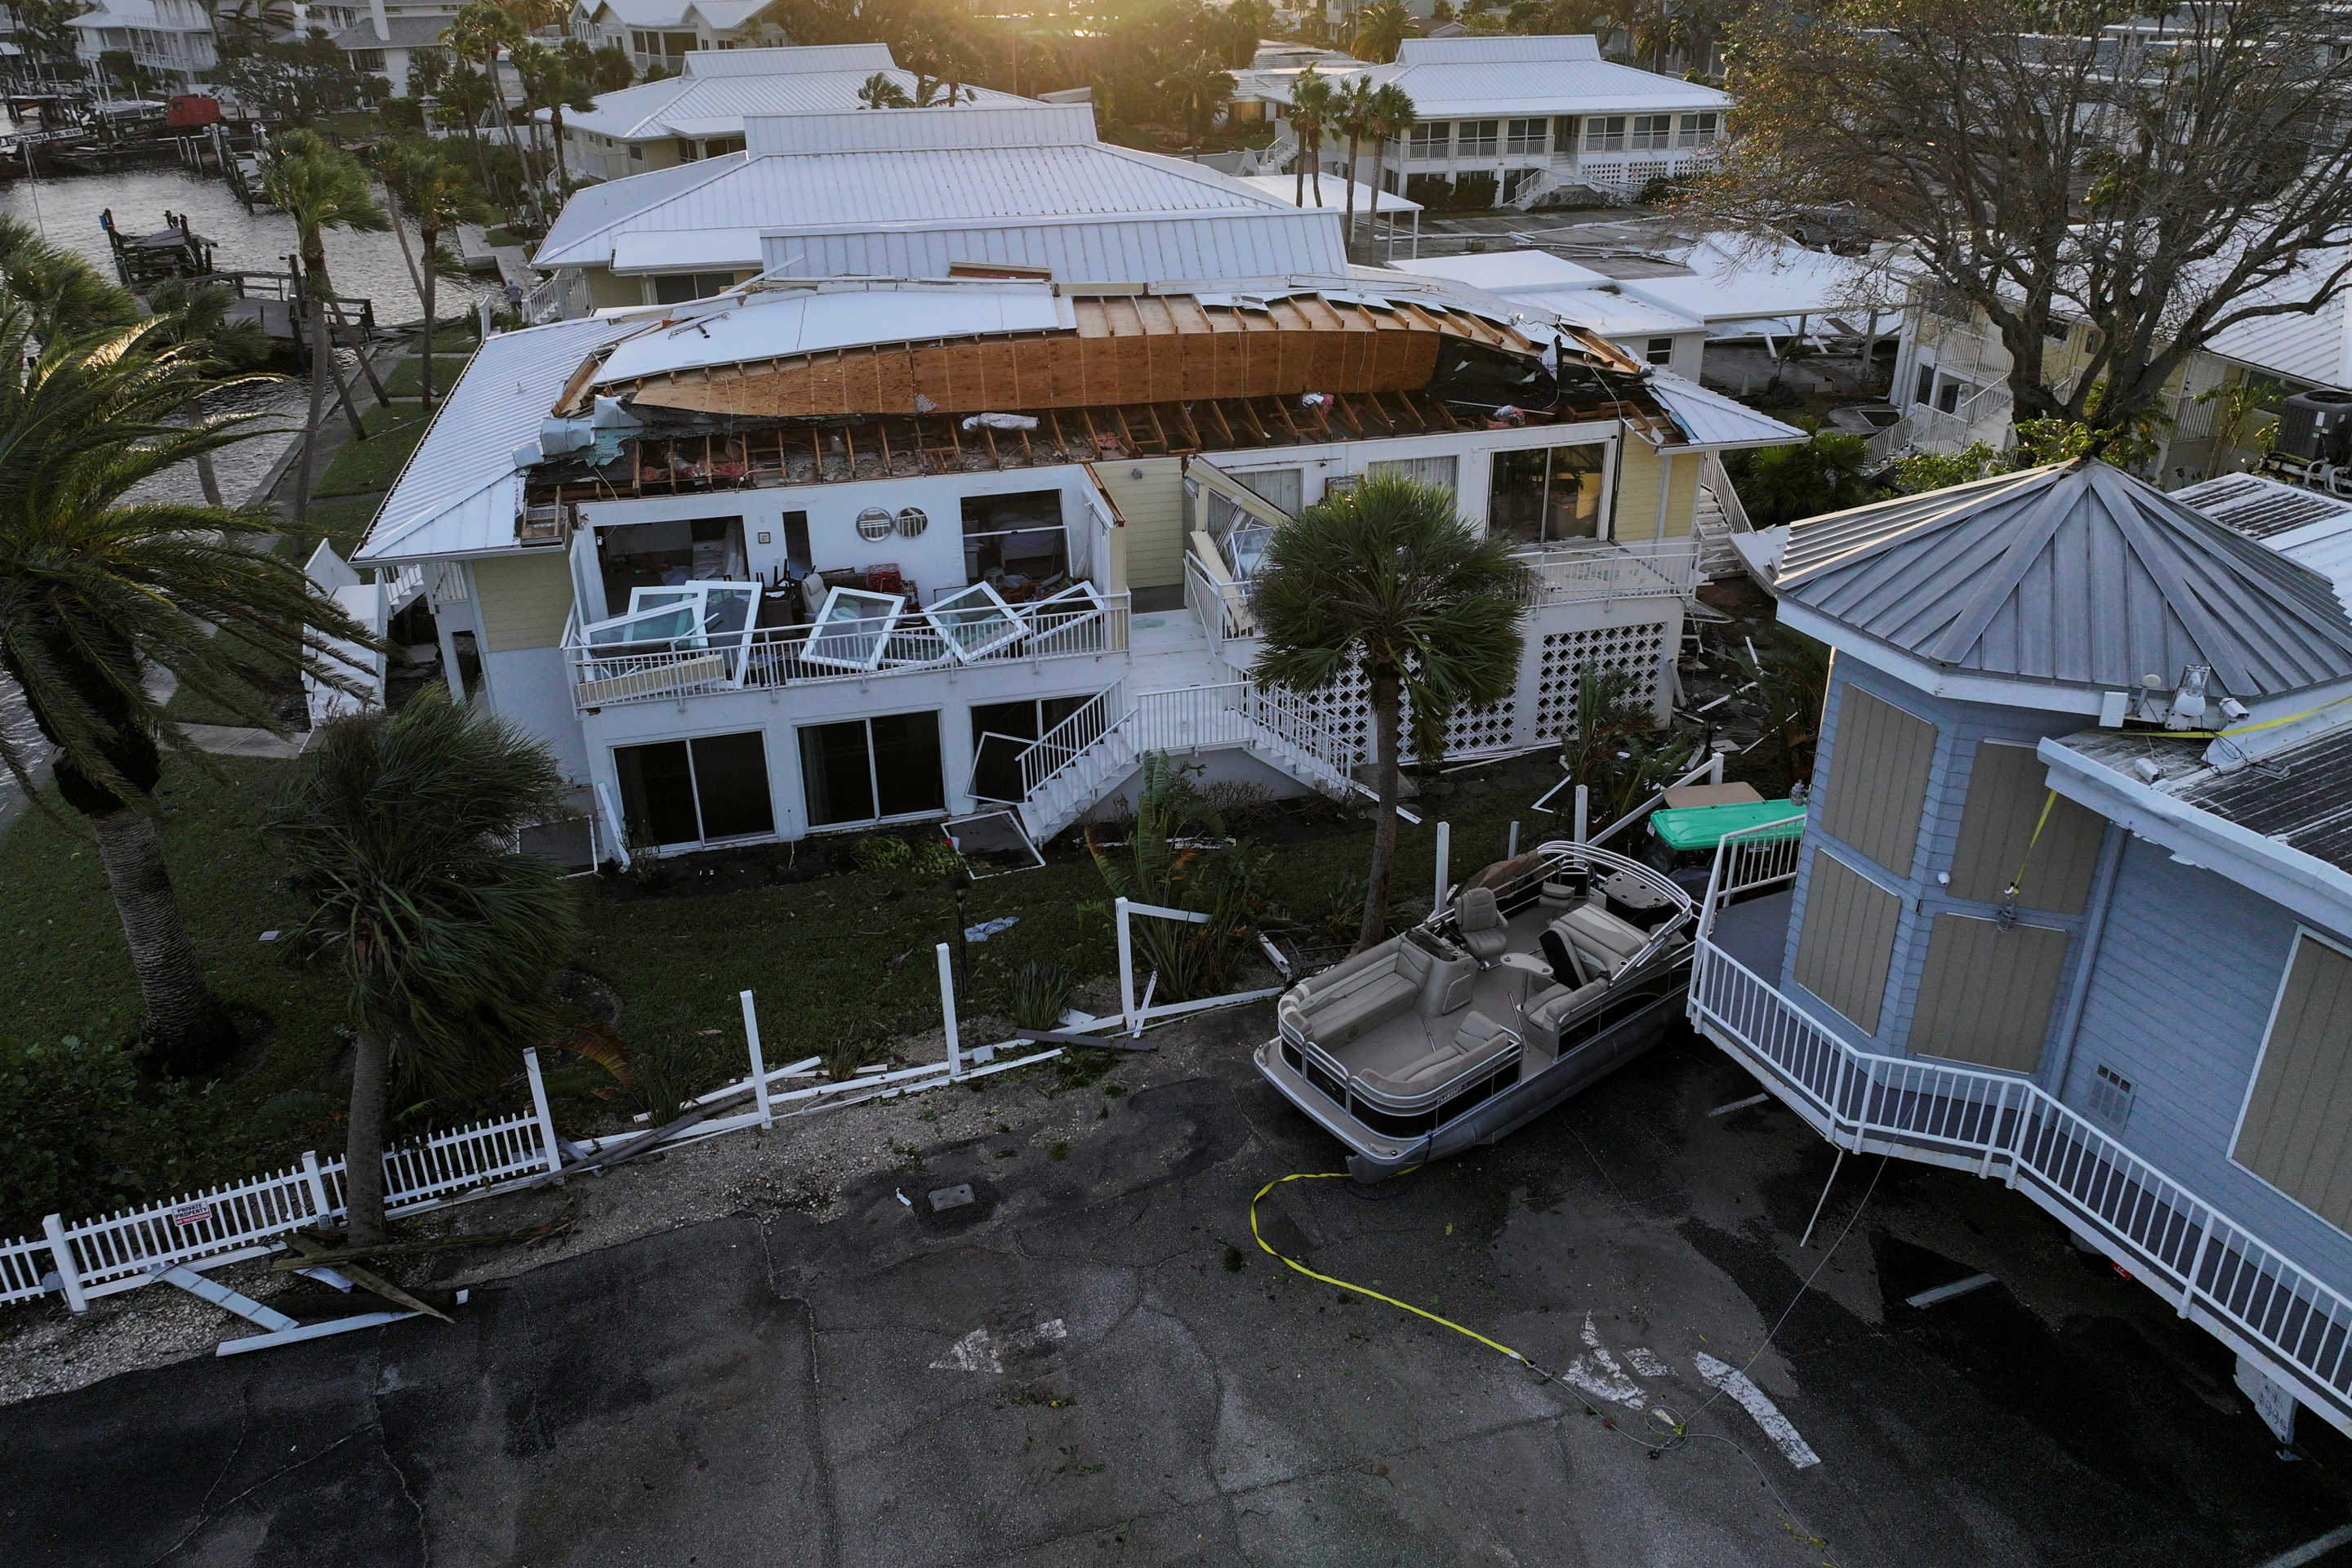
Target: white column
(948,1007)
(759,1062)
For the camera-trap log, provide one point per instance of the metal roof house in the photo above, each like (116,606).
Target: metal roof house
(816,556)
(699,113)
(1535,115)
(2070,904)
(663,35)
(925,193)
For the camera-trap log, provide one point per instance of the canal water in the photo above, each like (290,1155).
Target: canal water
(369,266)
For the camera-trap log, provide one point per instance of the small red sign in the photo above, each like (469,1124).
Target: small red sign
(191,1214)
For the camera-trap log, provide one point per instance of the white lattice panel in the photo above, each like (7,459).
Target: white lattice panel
(1639,648)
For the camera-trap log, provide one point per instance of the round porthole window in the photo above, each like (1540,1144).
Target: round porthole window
(911,521)
(874,523)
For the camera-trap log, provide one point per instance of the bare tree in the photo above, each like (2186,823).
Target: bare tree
(2046,164)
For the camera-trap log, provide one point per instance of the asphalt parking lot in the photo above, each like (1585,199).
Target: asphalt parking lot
(1093,1363)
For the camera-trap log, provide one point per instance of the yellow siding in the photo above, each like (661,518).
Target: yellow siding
(1638,466)
(605,289)
(1153,507)
(525,600)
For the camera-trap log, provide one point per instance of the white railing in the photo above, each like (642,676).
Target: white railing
(1587,569)
(1222,608)
(1750,860)
(848,650)
(1717,483)
(1063,745)
(1983,417)
(2209,1266)
(116,1251)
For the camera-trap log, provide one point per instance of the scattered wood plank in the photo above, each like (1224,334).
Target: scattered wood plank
(333,1256)
(301,1244)
(1103,1042)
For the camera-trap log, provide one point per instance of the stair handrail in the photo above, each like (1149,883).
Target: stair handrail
(1059,747)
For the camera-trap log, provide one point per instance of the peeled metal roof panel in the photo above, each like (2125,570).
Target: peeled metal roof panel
(2078,575)
(1711,419)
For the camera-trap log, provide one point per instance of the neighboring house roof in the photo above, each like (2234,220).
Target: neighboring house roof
(1283,187)
(460,492)
(719,16)
(2078,575)
(1711,419)
(1237,250)
(119,14)
(1452,78)
(2314,347)
(739,83)
(2306,527)
(813,175)
(407,33)
(1726,282)
(1547,286)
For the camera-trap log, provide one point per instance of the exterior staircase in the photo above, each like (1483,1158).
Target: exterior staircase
(1720,516)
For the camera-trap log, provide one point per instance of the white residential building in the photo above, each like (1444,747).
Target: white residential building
(820,556)
(700,113)
(1535,116)
(663,35)
(923,192)
(388,37)
(172,38)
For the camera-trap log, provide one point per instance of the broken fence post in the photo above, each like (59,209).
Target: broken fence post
(1714,769)
(759,1062)
(546,1118)
(320,1207)
(69,1272)
(1583,811)
(1444,853)
(1511,847)
(1126,964)
(946,1009)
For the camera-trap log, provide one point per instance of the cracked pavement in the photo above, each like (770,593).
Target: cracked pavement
(781,1389)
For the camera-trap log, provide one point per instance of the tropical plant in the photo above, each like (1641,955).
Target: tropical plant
(1036,991)
(566,75)
(1388,115)
(1612,745)
(96,593)
(879,92)
(399,836)
(63,292)
(196,315)
(320,187)
(425,185)
(1822,473)
(1792,675)
(1172,861)
(1199,90)
(1310,112)
(1386,579)
(1381,28)
(1352,117)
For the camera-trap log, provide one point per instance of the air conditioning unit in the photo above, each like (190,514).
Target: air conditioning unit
(2315,425)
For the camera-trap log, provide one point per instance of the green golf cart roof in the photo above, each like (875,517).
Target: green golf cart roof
(1703,826)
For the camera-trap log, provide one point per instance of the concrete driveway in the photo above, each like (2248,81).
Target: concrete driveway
(1092,1363)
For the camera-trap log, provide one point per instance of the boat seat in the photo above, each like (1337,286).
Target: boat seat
(1549,1008)
(1602,942)
(1478,1043)
(1483,930)
(1413,973)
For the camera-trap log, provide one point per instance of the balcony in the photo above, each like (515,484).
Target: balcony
(717,647)
(1593,571)
(2203,1263)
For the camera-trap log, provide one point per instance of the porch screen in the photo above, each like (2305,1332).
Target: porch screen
(2294,1132)
(1848,940)
(1986,994)
(1879,757)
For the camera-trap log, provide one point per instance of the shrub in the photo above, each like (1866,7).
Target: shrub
(84,1134)
(1036,991)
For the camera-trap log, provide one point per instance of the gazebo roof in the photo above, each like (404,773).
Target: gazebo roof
(2075,573)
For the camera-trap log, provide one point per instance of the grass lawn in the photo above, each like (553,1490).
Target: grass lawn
(407,377)
(361,466)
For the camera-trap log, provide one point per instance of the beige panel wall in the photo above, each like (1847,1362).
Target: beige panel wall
(1848,941)
(1154,508)
(605,289)
(1985,994)
(525,599)
(1638,467)
(2007,792)
(1878,779)
(2298,1121)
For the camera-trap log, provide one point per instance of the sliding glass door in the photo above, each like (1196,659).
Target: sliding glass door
(704,791)
(865,770)
(1547,494)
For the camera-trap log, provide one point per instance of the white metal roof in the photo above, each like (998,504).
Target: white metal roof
(720,15)
(763,325)
(2314,347)
(1546,286)
(1508,271)
(1014,124)
(717,103)
(1451,78)
(1282,187)
(2307,527)
(1732,282)
(688,250)
(1711,419)
(810,58)
(1132,249)
(458,493)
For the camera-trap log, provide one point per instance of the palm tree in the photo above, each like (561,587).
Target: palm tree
(879,92)
(1386,579)
(197,316)
(1310,109)
(567,75)
(1199,88)
(399,834)
(1380,27)
(428,186)
(1389,115)
(62,291)
(320,187)
(95,592)
(1351,109)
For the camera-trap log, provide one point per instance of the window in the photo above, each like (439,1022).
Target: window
(1476,139)
(1438,471)
(637,153)
(1283,488)
(797,553)
(1659,351)
(1948,396)
(1546,493)
(1429,141)
(702,790)
(368,60)
(1879,757)
(1926,388)
(1604,133)
(1652,132)
(1016,543)
(677,287)
(868,769)
(1698,129)
(1001,731)
(667,553)
(1524,136)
